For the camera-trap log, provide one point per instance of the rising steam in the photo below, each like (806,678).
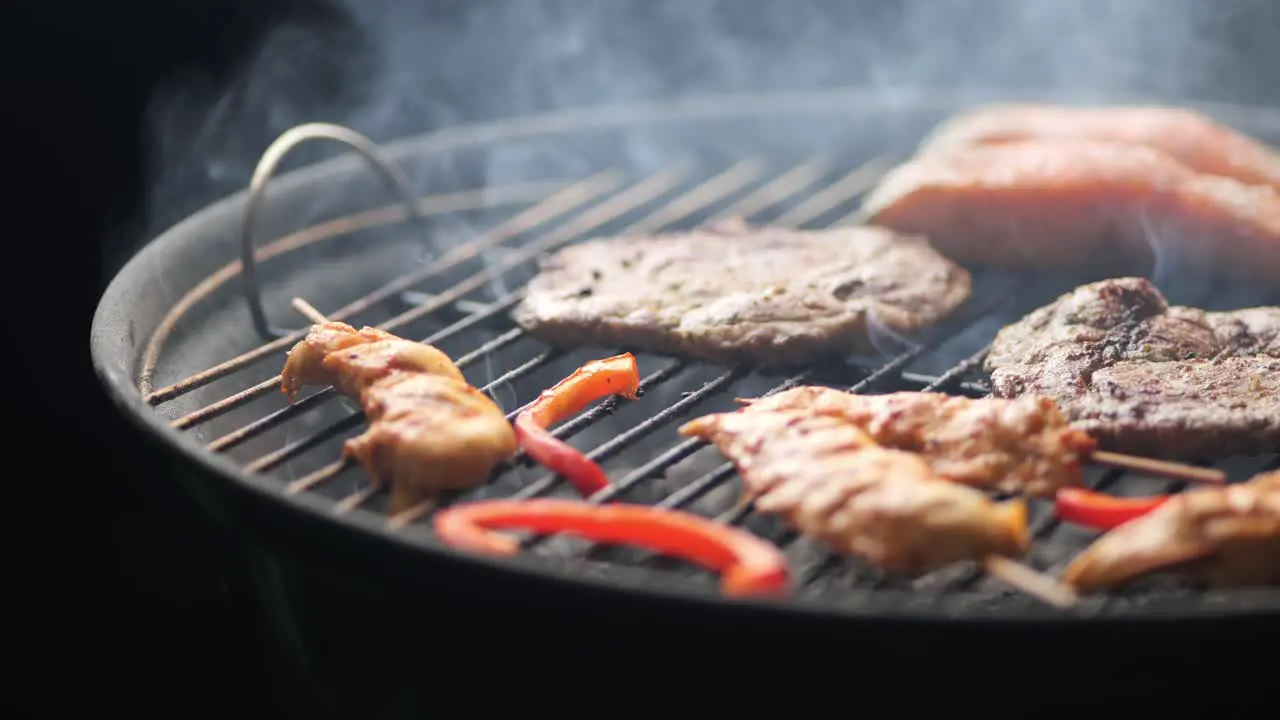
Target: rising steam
(389,68)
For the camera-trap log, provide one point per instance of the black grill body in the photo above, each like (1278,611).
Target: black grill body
(268,470)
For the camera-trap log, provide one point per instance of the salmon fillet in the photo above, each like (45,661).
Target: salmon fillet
(1080,204)
(1190,137)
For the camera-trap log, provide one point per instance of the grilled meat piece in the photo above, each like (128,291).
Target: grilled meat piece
(1222,536)
(1146,378)
(830,480)
(429,430)
(429,433)
(1080,204)
(732,293)
(1022,446)
(1190,137)
(334,353)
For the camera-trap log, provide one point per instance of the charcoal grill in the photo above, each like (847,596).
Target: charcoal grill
(189,339)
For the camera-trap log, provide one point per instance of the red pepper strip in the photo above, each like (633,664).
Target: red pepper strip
(597,379)
(1101,511)
(747,564)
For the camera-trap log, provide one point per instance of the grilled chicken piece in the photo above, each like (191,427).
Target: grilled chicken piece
(335,353)
(1080,204)
(429,433)
(1020,446)
(830,480)
(1191,138)
(429,430)
(1223,536)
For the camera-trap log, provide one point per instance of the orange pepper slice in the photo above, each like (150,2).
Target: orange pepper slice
(617,375)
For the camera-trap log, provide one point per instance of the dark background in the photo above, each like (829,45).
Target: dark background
(122,596)
(122,583)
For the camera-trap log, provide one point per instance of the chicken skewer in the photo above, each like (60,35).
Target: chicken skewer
(829,479)
(429,430)
(1227,537)
(1019,446)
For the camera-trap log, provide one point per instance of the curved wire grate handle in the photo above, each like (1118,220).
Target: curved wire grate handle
(391,174)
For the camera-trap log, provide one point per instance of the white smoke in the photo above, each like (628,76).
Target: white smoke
(389,68)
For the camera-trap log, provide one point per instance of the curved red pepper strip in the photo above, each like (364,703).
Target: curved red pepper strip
(617,375)
(747,564)
(1101,511)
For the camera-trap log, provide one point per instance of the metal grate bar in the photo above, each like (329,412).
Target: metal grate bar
(504,340)
(561,203)
(839,192)
(775,191)
(225,405)
(265,423)
(296,448)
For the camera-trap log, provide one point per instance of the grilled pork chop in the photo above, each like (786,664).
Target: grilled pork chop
(1223,536)
(733,293)
(1145,377)
(1081,204)
(1021,446)
(1191,138)
(830,480)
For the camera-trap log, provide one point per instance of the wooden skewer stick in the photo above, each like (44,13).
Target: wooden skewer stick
(308,310)
(1030,581)
(1160,468)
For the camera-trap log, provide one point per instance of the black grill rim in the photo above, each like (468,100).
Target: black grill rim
(882,604)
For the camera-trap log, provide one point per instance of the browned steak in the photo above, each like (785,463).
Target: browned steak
(736,294)
(1146,378)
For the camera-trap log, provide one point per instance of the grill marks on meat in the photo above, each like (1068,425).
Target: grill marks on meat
(736,294)
(1222,536)
(429,430)
(1146,378)
(1187,136)
(1083,204)
(334,353)
(1021,446)
(828,479)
